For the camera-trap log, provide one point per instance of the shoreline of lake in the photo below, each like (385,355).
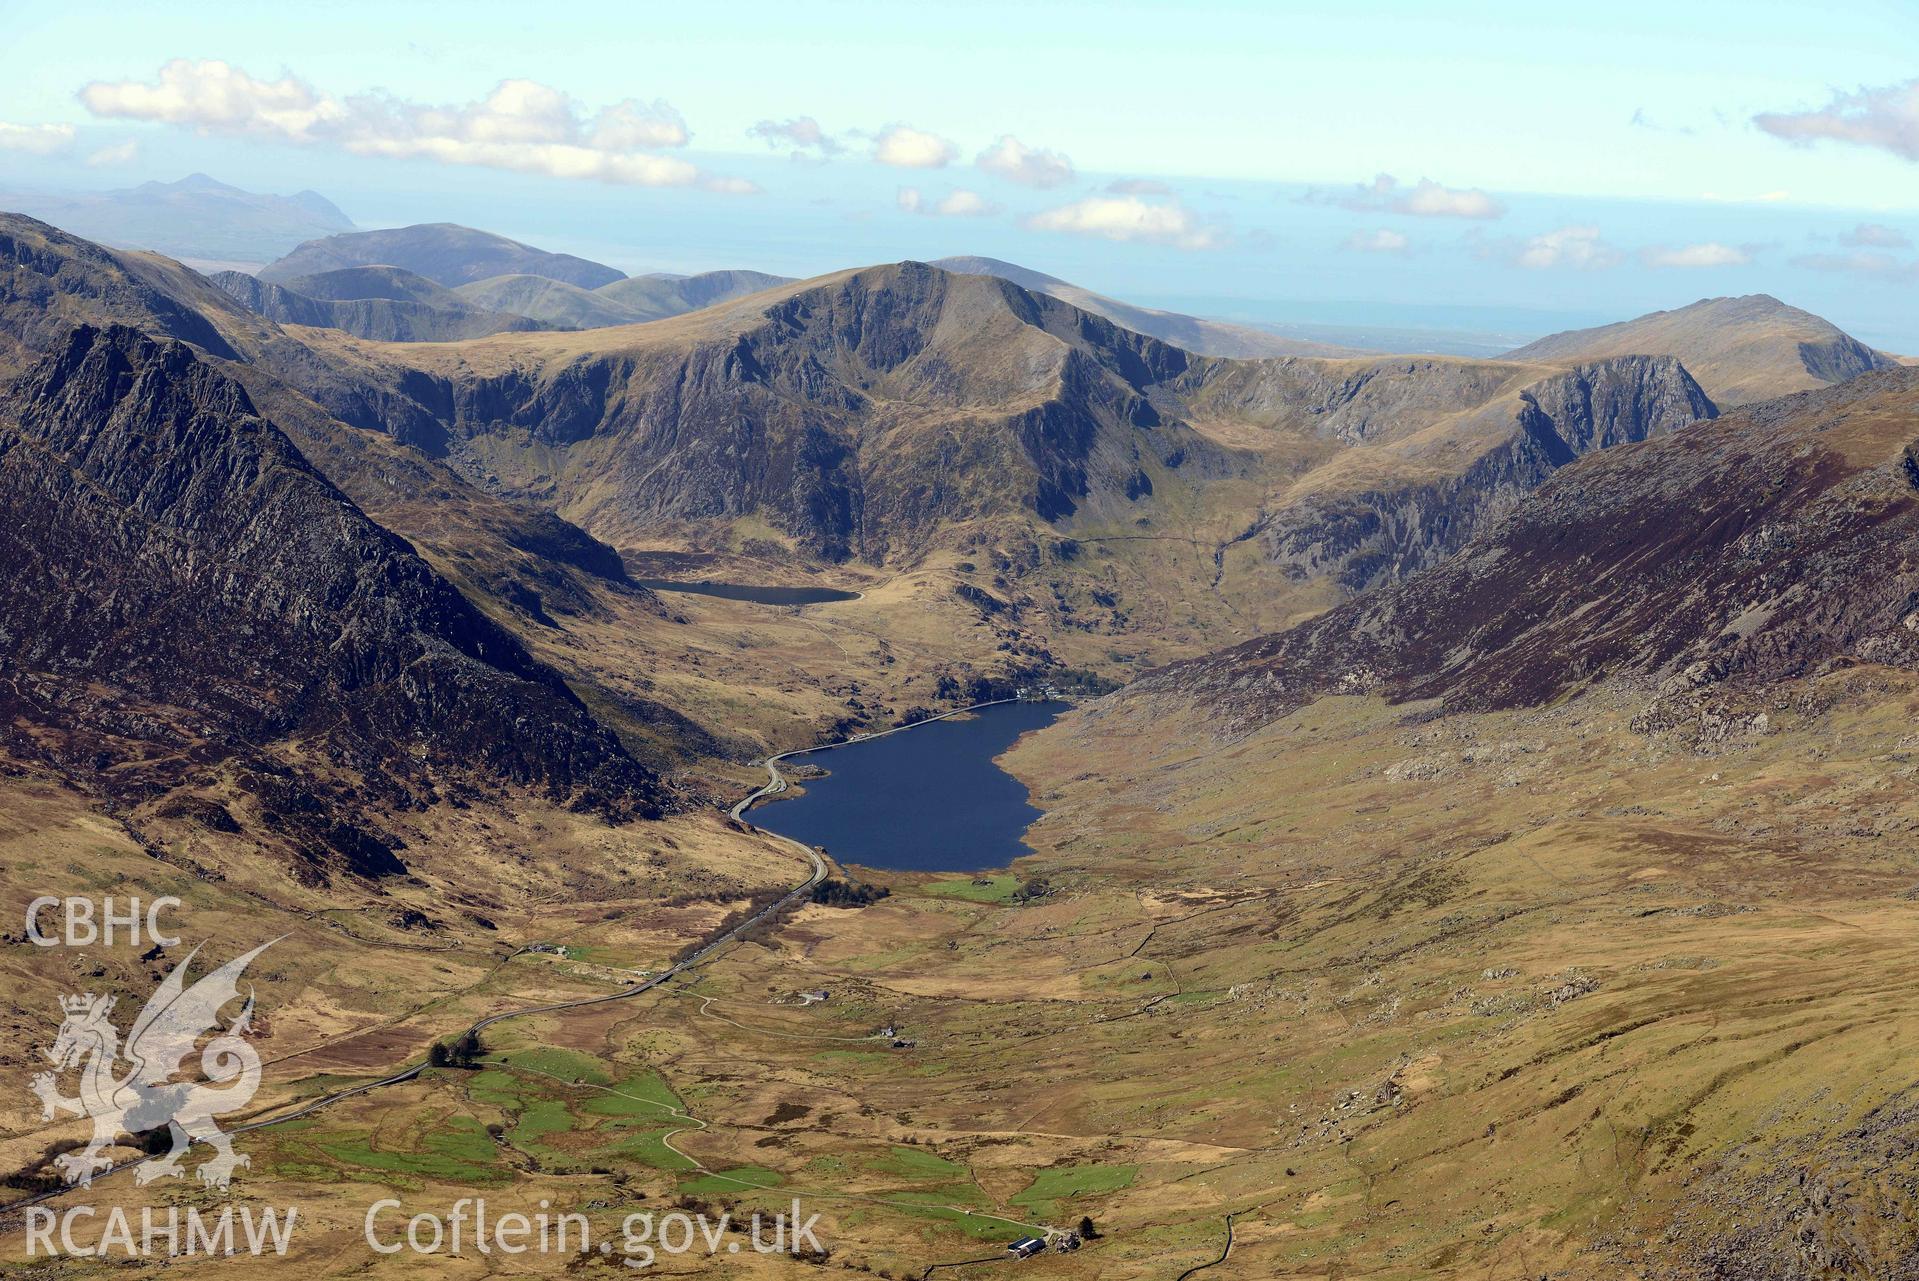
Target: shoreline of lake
(934,800)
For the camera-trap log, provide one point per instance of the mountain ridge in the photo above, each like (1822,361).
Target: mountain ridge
(1196,334)
(155,518)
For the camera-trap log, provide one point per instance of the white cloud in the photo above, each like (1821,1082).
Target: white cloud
(1013,160)
(38,140)
(1886,118)
(1378,242)
(1866,264)
(1875,235)
(1579,247)
(961,203)
(1706,254)
(1430,200)
(119,153)
(957,203)
(802,134)
(522,125)
(905,147)
(1424,199)
(1128,218)
(215,97)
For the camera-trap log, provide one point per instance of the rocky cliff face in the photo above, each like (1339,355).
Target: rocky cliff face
(869,413)
(1386,534)
(861,415)
(1769,545)
(185,592)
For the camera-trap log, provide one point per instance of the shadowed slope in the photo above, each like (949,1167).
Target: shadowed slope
(186,589)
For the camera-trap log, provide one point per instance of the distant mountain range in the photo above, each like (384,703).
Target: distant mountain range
(886,413)
(197,219)
(438,282)
(443,252)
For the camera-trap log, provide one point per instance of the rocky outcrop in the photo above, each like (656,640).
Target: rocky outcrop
(1383,535)
(185,590)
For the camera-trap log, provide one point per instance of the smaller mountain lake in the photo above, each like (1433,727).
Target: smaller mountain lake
(930,799)
(769,595)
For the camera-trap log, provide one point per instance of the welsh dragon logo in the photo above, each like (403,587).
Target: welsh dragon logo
(145,1094)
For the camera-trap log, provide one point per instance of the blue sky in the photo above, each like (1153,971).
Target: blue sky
(1578,166)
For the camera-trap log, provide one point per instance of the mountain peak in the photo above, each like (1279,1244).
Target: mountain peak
(202,182)
(1741,348)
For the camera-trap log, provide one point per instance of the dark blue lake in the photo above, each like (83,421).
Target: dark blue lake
(747,592)
(927,800)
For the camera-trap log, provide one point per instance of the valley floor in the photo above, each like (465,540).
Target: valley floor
(1521,994)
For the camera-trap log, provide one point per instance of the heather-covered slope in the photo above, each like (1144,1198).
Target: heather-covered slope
(185,590)
(1769,545)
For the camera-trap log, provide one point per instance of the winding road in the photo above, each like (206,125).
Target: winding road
(408,1073)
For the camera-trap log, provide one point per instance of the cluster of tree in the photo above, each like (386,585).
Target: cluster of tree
(758,903)
(463,1051)
(834,893)
(1034,888)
